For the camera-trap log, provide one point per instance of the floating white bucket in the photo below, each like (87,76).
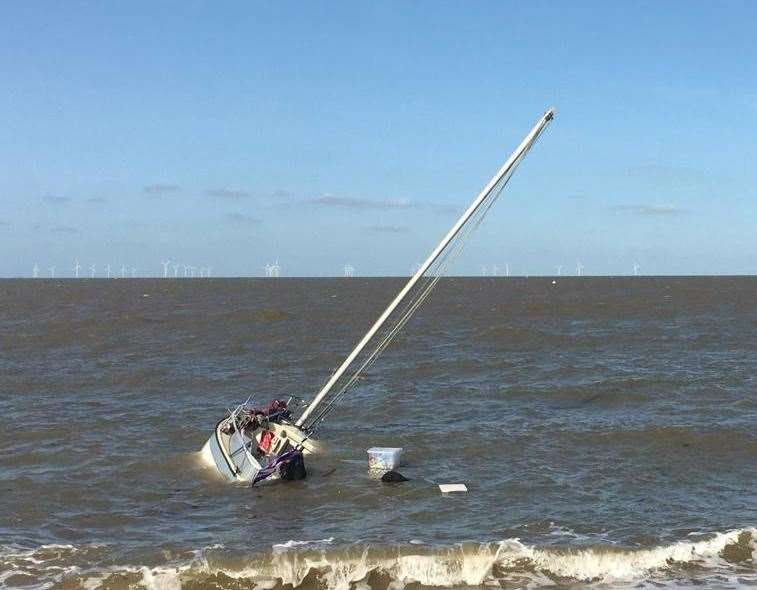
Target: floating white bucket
(383,459)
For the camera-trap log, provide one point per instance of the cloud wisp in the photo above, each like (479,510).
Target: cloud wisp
(242,219)
(362,203)
(161,189)
(56,200)
(388,229)
(63,229)
(358,203)
(651,210)
(228,193)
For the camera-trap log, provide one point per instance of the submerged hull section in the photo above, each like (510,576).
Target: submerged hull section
(229,456)
(214,456)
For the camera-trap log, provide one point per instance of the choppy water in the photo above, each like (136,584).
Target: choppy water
(605,429)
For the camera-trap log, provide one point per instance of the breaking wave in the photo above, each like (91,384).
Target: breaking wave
(725,559)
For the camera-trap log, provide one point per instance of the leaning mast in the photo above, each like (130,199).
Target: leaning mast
(506,168)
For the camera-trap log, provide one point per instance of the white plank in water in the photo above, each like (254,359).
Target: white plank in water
(445,488)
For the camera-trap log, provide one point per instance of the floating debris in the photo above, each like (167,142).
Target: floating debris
(447,488)
(393,477)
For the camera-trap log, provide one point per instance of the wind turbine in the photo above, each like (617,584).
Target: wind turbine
(176,270)
(107,271)
(273,270)
(349,270)
(133,272)
(559,270)
(507,269)
(484,271)
(123,271)
(35,271)
(579,268)
(92,271)
(495,271)
(52,272)
(636,269)
(207,272)
(186,270)
(76,268)
(165,268)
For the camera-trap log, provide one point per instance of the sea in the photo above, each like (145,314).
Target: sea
(605,428)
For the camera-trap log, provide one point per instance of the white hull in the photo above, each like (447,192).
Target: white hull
(237,457)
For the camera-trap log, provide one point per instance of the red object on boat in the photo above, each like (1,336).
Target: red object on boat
(265,441)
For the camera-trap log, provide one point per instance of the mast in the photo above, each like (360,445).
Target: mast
(512,161)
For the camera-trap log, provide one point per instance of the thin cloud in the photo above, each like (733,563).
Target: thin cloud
(228,193)
(161,189)
(56,200)
(389,229)
(63,229)
(242,219)
(358,203)
(651,210)
(329,201)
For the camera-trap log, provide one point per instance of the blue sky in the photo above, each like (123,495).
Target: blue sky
(324,134)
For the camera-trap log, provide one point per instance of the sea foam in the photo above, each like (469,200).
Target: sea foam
(728,557)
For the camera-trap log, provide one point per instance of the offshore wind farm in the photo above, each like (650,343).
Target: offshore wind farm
(273,270)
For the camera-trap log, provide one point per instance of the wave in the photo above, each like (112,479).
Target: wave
(725,558)
(42,566)
(292,543)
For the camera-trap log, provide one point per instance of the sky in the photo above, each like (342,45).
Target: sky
(228,136)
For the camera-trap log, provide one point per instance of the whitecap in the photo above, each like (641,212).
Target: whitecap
(292,543)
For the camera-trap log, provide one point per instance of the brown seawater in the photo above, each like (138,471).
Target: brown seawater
(605,427)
